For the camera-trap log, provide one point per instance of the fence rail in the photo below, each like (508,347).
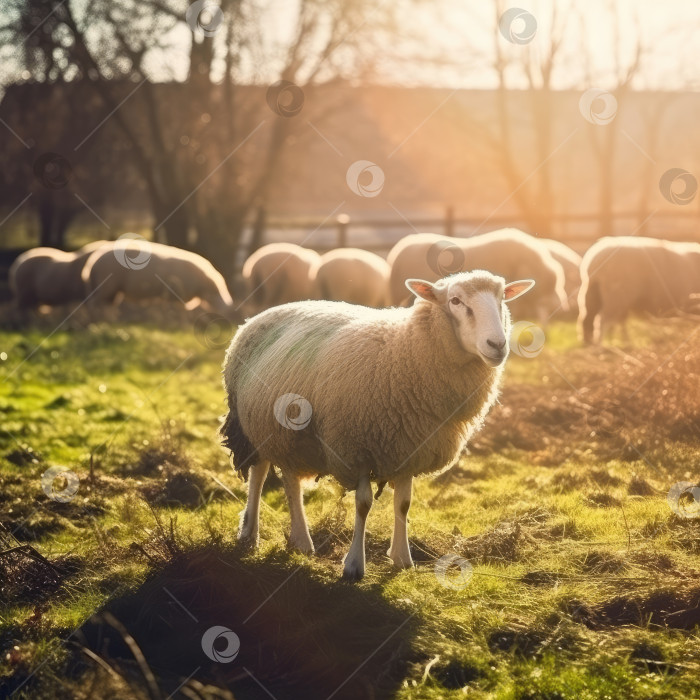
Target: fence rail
(681,225)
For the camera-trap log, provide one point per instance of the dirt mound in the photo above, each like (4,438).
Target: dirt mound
(614,404)
(299,636)
(678,609)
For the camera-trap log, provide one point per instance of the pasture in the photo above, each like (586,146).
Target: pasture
(578,579)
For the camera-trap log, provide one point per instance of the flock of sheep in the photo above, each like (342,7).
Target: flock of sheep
(105,271)
(370,395)
(376,396)
(616,276)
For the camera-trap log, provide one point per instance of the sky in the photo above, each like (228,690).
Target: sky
(450,43)
(669,32)
(460,33)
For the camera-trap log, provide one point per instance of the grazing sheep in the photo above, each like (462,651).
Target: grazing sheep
(139,269)
(48,276)
(570,261)
(509,253)
(278,273)
(626,274)
(364,395)
(352,275)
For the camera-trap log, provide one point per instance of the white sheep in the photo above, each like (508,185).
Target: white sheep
(570,261)
(48,276)
(138,269)
(278,273)
(352,275)
(509,253)
(627,274)
(364,395)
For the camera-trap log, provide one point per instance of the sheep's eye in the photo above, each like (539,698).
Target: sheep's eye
(456,301)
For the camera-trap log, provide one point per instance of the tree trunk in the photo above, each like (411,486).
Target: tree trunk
(173,222)
(222,241)
(542,113)
(607,183)
(53,223)
(259,226)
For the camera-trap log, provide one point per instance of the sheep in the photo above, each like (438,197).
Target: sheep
(626,274)
(383,395)
(139,269)
(570,261)
(352,275)
(278,273)
(48,276)
(507,253)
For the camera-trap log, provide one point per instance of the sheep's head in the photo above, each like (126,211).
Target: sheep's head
(474,303)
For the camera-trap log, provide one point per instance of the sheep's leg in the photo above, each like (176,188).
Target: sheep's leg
(399,551)
(354,563)
(599,330)
(299,537)
(250,518)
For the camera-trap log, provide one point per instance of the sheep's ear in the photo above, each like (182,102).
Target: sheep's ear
(514,290)
(426,290)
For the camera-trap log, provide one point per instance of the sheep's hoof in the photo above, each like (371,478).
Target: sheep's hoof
(401,561)
(248,540)
(352,571)
(304,547)
(301,541)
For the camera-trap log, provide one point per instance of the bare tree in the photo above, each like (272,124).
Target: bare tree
(206,144)
(605,140)
(538,68)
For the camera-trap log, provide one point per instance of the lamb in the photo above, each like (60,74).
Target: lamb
(352,275)
(509,253)
(278,273)
(570,261)
(139,269)
(48,276)
(626,274)
(328,388)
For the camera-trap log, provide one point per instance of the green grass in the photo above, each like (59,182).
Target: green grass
(576,574)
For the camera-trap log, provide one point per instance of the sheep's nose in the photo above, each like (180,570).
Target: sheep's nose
(497,346)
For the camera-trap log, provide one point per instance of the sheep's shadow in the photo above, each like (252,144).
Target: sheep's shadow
(300,635)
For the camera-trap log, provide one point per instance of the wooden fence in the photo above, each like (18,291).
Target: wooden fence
(577,230)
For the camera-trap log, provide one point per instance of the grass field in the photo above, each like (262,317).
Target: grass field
(579,580)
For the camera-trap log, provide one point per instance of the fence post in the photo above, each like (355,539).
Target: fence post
(450,221)
(343,220)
